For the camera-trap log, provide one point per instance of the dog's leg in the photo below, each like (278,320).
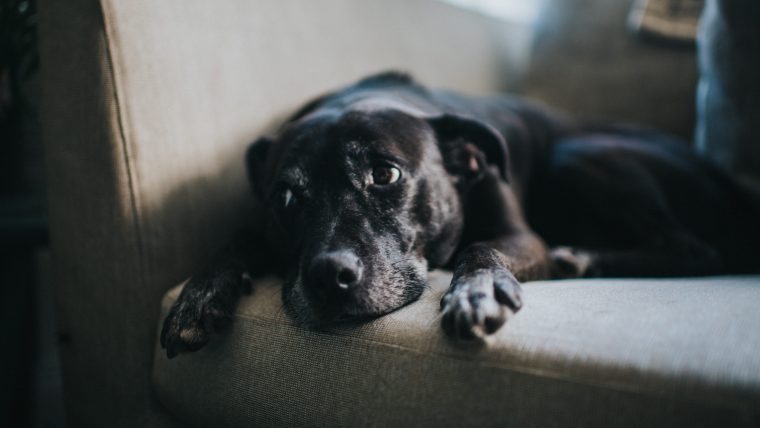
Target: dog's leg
(681,255)
(208,299)
(485,288)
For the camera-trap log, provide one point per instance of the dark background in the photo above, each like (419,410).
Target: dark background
(30,387)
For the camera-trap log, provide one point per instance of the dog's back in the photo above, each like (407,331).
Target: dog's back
(622,187)
(594,185)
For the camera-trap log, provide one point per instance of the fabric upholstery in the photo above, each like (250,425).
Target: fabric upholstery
(148,107)
(612,353)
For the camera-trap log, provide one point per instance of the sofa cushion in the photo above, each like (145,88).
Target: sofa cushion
(581,352)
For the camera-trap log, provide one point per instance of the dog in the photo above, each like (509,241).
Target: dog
(367,188)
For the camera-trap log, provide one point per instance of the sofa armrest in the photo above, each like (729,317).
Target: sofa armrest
(608,353)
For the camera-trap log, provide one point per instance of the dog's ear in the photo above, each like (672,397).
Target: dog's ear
(255,162)
(469,146)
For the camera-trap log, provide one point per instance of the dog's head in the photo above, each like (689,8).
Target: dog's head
(361,202)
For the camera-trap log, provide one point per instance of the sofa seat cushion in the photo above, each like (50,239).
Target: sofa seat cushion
(580,352)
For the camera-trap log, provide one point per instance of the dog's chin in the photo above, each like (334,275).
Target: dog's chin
(305,313)
(324,318)
(313,315)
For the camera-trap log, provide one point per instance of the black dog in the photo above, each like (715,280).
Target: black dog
(369,187)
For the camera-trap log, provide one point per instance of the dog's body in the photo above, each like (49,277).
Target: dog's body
(369,187)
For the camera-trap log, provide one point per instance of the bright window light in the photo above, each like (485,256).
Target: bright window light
(507,10)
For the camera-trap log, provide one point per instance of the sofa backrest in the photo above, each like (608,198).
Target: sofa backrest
(586,60)
(148,107)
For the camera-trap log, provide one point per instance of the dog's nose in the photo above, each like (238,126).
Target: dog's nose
(337,271)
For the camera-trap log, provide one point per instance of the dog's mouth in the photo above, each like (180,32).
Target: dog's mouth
(312,314)
(354,318)
(381,300)
(321,318)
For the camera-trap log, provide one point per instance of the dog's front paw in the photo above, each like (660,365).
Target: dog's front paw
(480,302)
(204,306)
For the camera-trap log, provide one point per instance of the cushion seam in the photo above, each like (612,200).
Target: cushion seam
(122,138)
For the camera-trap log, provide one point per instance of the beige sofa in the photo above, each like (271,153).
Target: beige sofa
(147,110)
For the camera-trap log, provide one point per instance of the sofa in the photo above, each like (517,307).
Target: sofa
(147,110)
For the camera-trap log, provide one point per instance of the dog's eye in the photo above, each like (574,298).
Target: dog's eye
(384,174)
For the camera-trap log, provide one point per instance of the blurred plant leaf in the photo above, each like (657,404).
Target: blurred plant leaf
(19,58)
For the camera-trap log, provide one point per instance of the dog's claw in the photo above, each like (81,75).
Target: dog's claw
(479,303)
(569,262)
(188,329)
(202,308)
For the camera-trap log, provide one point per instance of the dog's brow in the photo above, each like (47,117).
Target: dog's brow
(353,148)
(374,152)
(393,156)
